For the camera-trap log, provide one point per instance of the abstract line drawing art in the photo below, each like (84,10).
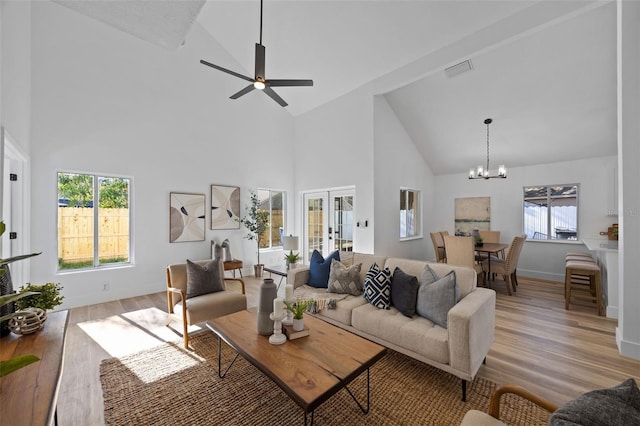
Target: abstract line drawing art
(225,207)
(186,217)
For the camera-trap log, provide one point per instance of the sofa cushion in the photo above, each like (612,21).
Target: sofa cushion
(345,280)
(417,334)
(377,287)
(404,291)
(619,405)
(319,268)
(212,305)
(435,300)
(203,279)
(428,276)
(349,258)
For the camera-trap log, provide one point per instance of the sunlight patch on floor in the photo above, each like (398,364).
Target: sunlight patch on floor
(131,332)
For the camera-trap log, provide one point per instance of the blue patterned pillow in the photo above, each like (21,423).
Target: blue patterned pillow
(319,268)
(377,287)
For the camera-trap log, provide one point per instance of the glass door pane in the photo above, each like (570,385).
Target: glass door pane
(342,223)
(315,224)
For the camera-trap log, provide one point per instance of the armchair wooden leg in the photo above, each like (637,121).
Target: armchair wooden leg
(185,334)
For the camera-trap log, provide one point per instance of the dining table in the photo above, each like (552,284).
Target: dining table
(491,248)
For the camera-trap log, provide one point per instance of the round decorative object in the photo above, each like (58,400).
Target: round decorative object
(30,321)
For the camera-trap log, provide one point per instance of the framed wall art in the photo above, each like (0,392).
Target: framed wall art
(225,207)
(472,213)
(186,217)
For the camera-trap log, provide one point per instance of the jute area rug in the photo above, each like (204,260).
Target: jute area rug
(168,385)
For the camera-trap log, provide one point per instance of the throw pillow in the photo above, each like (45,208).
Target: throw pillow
(377,287)
(344,280)
(428,276)
(435,300)
(217,252)
(203,279)
(319,268)
(619,405)
(404,292)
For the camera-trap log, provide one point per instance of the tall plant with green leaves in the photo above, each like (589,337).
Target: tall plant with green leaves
(256,221)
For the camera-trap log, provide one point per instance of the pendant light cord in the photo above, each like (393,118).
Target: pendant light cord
(260,21)
(488,147)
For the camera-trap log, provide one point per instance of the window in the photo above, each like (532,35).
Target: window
(551,212)
(409,213)
(273,202)
(93,220)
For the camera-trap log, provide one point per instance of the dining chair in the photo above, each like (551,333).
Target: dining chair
(487,237)
(507,266)
(461,252)
(438,246)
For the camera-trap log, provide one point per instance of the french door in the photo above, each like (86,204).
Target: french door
(328,221)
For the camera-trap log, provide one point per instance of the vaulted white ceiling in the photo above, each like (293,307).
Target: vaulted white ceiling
(545,71)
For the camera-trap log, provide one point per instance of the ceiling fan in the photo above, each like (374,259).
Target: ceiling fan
(259,81)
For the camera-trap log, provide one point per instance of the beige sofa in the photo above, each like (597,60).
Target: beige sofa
(459,349)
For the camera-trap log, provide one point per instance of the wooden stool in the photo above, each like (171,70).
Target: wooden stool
(579,256)
(232,265)
(583,274)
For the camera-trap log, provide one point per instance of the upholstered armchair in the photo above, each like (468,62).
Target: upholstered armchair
(202,307)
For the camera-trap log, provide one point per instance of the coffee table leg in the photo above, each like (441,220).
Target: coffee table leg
(220,374)
(364,410)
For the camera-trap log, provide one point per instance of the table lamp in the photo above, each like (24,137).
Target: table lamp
(290,243)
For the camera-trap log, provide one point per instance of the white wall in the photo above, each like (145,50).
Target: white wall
(15,95)
(107,102)
(538,259)
(397,164)
(334,148)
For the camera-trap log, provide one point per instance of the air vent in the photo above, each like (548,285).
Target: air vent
(458,69)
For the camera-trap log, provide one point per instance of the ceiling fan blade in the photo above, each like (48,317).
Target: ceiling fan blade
(273,95)
(282,83)
(260,52)
(242,92)
(209,64)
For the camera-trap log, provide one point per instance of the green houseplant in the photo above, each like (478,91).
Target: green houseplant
(257,222)
(292,258)
(45,296)
(298,309)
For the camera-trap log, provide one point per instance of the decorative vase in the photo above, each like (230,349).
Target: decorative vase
(268,292)
(298,324)
(30,321)
(6,287)
(257,270)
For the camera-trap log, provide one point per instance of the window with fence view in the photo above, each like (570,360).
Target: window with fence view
(272,202)
(551,212)
(93,220)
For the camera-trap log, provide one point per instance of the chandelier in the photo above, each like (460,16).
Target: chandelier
(481,173)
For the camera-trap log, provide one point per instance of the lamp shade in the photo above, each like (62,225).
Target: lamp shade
(290,243)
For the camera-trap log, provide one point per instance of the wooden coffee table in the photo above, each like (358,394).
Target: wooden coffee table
(310,369)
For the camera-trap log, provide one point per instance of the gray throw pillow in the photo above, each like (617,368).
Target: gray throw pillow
(344,280)
(428,276)
(404,291)
(435,300)
(619,405)
(203,279)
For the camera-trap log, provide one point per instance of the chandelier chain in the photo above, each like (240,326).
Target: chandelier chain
(487,147)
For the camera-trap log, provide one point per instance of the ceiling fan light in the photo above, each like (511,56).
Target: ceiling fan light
(259,85)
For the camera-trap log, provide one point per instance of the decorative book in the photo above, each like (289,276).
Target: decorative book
(292,334)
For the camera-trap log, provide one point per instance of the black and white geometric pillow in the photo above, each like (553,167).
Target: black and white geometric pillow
(377,287)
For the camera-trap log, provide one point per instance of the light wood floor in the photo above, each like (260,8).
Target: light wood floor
(556,353)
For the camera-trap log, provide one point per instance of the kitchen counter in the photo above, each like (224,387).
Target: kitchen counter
(606,254)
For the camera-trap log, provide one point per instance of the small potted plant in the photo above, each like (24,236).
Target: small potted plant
(298,309)
(479,241)
(292,258)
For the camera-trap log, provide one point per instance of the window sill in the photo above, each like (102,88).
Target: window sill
(569,242)
(96,269)
(417,237)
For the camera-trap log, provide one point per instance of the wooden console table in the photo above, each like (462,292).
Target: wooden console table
(28,396)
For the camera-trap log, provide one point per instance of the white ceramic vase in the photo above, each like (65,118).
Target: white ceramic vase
(298,324)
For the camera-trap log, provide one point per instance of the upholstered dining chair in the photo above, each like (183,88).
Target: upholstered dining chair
(507,266)
(487,237)
(203,307)
(438,246)
(461,252)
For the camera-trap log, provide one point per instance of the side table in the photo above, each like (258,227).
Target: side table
(278,270)
(232,265)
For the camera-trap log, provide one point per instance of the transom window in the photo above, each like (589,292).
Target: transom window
(551,212)
(409,213)
(272,202)
(93,220)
